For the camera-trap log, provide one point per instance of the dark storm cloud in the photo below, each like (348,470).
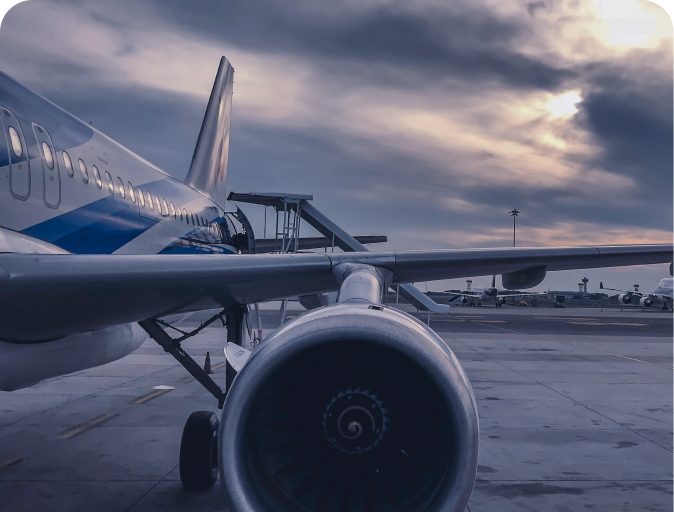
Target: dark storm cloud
(362,181)
(633,123)
(431,44)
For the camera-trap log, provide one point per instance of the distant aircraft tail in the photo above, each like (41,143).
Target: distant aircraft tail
(208,171)
(493,281)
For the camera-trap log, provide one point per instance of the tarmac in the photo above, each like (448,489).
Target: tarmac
(575,410)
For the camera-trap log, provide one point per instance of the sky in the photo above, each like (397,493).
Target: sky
(426,121)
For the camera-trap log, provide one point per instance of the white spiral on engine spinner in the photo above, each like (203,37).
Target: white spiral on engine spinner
(354,426)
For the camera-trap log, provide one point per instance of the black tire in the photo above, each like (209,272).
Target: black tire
(199,451)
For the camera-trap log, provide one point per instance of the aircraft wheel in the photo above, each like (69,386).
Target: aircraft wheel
(199,451)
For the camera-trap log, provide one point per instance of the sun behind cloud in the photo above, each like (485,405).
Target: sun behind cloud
(564,105)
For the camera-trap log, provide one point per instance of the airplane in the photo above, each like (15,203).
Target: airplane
(355,405)
(662,294)
(489,294)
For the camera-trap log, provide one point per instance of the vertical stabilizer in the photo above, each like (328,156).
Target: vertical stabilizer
(208,171)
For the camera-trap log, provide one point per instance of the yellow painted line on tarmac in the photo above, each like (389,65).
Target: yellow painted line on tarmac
(219,365)
(187,379)
(86,426)
(6,463)
(493,321)
(151,396)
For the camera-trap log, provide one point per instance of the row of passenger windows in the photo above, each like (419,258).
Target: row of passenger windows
(163,207)
(145,199)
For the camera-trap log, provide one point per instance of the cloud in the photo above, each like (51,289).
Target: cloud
(424,121)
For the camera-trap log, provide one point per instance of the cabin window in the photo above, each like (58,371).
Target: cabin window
(158,204)
(16,141)
(173,210)
(202,221)
(83,170)
(69,164)
(109,182)
(132,193)
(97,177)
(149,201)
(48,157)
(166,209)
(192,217)
(184,212)
(141,197)
(120,187)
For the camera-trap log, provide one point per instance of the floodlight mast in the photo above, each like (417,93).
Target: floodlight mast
(514,214)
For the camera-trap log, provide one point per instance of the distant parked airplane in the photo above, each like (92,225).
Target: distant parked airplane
(490,295)
(661,295)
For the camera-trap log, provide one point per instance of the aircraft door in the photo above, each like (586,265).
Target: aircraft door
(19,165)
(50,167)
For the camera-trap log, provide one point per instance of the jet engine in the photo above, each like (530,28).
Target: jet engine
(645,301)
(625,298)
(527,278)
(355,407)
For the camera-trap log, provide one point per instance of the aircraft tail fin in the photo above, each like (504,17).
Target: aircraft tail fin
(208,170)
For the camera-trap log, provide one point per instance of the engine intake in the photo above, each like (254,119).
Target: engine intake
(350,408)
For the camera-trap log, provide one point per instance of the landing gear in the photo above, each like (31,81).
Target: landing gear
(235,319)
(199,451)
(199,444)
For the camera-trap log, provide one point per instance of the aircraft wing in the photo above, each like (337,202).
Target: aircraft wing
(46,296)
(267,245)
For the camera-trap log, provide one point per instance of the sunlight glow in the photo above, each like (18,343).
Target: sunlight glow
(630,23)
(564,105)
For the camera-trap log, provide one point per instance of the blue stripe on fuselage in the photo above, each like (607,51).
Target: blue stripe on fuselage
(106,225)
(100,227)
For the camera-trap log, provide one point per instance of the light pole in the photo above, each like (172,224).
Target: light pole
(514,214)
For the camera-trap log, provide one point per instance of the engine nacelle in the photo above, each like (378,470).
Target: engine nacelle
(527,278)
(339,405)
(317,300)
(625,298)
(645,302)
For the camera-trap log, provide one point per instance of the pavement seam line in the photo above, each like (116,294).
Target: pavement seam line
(82,397)
(162,479)
(573,345)
(559,392)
